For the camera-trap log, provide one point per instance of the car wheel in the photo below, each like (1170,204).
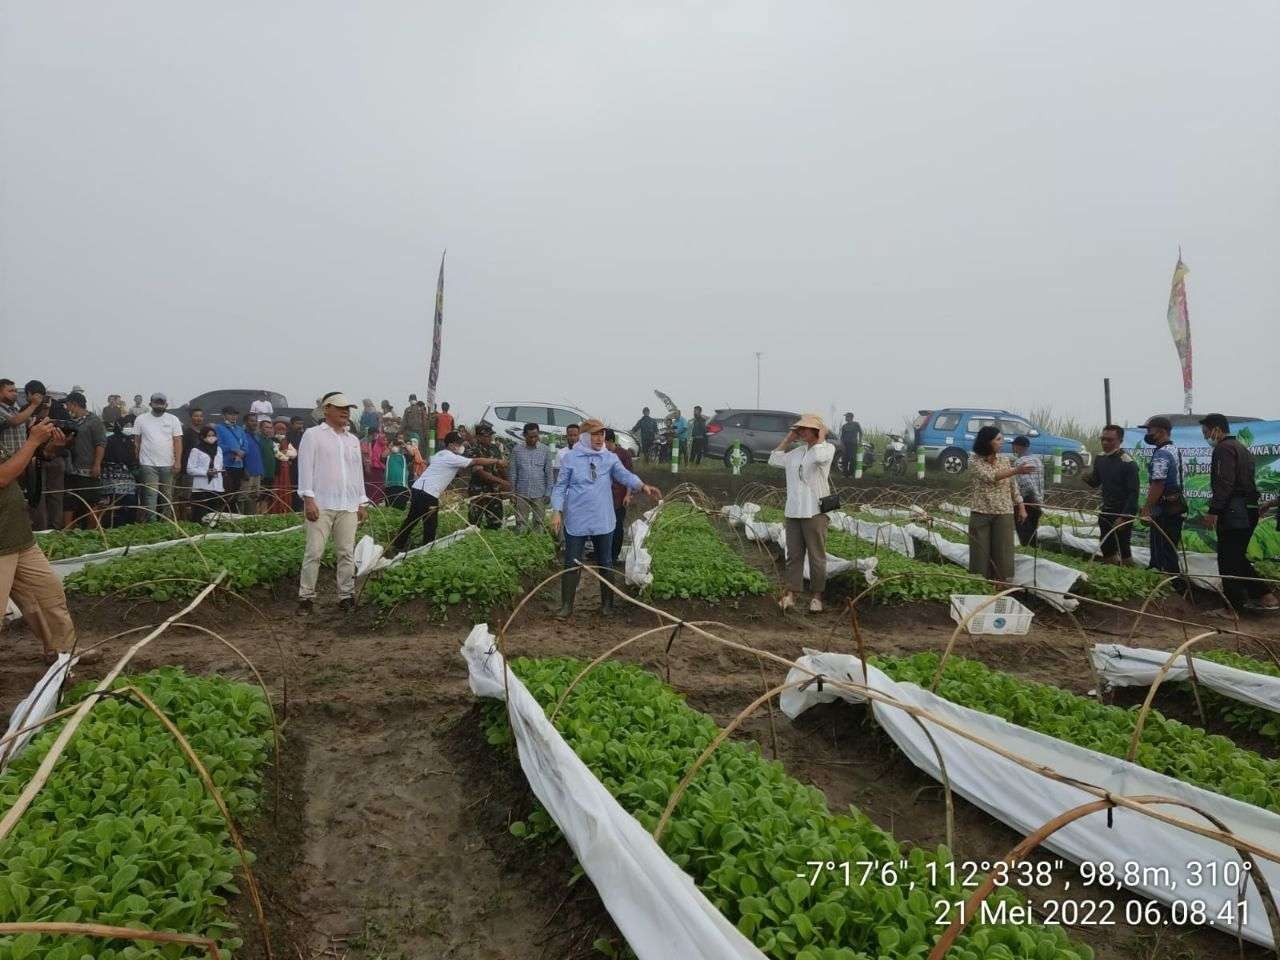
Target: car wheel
(746,457)
(953,461)
(1071,465)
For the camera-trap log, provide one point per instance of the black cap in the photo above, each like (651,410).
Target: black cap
(229,409)
(1216,420)
(1021,441)
(1158,423)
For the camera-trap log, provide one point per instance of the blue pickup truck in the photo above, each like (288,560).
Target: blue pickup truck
(946,437)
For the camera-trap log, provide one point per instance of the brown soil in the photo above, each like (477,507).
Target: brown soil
(390,838)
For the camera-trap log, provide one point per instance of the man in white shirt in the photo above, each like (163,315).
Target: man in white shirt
(157,440)
(424,498)
(331,485)
(262,406)
(571,434)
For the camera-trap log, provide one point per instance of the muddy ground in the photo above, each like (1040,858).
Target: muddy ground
(389,839)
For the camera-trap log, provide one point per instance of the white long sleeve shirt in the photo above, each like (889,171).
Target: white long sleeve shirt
(807,471)
(330,469)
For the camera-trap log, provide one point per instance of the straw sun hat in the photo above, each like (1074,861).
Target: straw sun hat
(811,420)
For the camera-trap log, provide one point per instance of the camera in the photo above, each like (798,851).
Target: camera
(68,427)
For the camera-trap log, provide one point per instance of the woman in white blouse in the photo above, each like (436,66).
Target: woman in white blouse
(204,467)
(807,467)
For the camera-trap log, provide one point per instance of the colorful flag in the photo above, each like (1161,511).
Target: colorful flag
(434,373)
(1180,326)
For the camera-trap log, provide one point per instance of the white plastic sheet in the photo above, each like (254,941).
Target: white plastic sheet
(370,555)
(1044,578)
(1121,666)
(64,568)
(1026,801)
(1200,568)
(656,905)
(40,703)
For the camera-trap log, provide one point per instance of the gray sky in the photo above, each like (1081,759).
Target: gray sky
(901,205)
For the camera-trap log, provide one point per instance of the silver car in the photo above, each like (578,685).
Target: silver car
(509,417)
(758,431)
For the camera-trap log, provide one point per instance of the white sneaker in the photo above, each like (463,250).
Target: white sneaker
(815,605)
(787,602)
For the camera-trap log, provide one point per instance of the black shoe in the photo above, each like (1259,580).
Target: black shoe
(347,604)
(568,588)
(305,607)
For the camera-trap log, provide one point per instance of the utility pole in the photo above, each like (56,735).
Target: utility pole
(758,356)
(1106,397)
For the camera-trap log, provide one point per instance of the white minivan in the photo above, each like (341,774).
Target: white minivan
(509,417)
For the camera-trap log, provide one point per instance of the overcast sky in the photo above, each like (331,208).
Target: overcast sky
(901,205)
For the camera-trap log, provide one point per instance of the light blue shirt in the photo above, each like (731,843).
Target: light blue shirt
(583,493)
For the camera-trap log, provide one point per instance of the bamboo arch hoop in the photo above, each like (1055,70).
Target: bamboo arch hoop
(104,932)
(865,691)
(1033,840)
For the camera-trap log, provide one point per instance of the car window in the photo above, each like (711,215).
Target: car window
(504,413)
(769,422)
(977,423)
(1012,428)
(737,420)
(947,421)
(561,417)
(529,415)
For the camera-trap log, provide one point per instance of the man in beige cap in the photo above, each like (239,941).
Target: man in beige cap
(808,468)
(331,485)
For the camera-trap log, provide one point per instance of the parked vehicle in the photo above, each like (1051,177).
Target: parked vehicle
(946,436)
(758,431)
(509,417)
(212,402)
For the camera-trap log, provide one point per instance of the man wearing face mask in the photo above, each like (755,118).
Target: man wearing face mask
(1233,513)
(428,489)
(158,446)
(1166,508)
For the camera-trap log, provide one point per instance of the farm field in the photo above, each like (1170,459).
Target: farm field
(393,832)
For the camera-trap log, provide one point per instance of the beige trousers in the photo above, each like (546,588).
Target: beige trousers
(342,525)
(807,537)
(36,589)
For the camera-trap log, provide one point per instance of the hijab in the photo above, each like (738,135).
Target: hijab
(208,449)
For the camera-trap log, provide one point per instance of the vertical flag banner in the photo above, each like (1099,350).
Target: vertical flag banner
(434,373)
(1180,326)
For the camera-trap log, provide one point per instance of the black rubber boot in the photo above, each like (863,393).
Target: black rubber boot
(607,596)
(568,587)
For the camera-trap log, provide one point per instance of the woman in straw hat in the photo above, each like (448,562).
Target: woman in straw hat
(807,466)
(582,500)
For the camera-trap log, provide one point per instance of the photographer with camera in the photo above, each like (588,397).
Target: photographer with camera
(84,460)
(24,570)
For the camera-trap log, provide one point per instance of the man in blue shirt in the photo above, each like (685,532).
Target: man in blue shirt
(582,500)
(254,468)
(1165,508)
(231,442)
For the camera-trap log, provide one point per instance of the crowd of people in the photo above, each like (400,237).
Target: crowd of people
(62,465)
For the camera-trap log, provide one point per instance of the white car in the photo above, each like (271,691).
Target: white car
(509,417)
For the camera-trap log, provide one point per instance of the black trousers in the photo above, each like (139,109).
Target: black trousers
(1165,545)
(850,457)
(699,450)
(1026,529)
(397,497)
(621,514)
(422,506)
(1233,561)
(1115,537)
